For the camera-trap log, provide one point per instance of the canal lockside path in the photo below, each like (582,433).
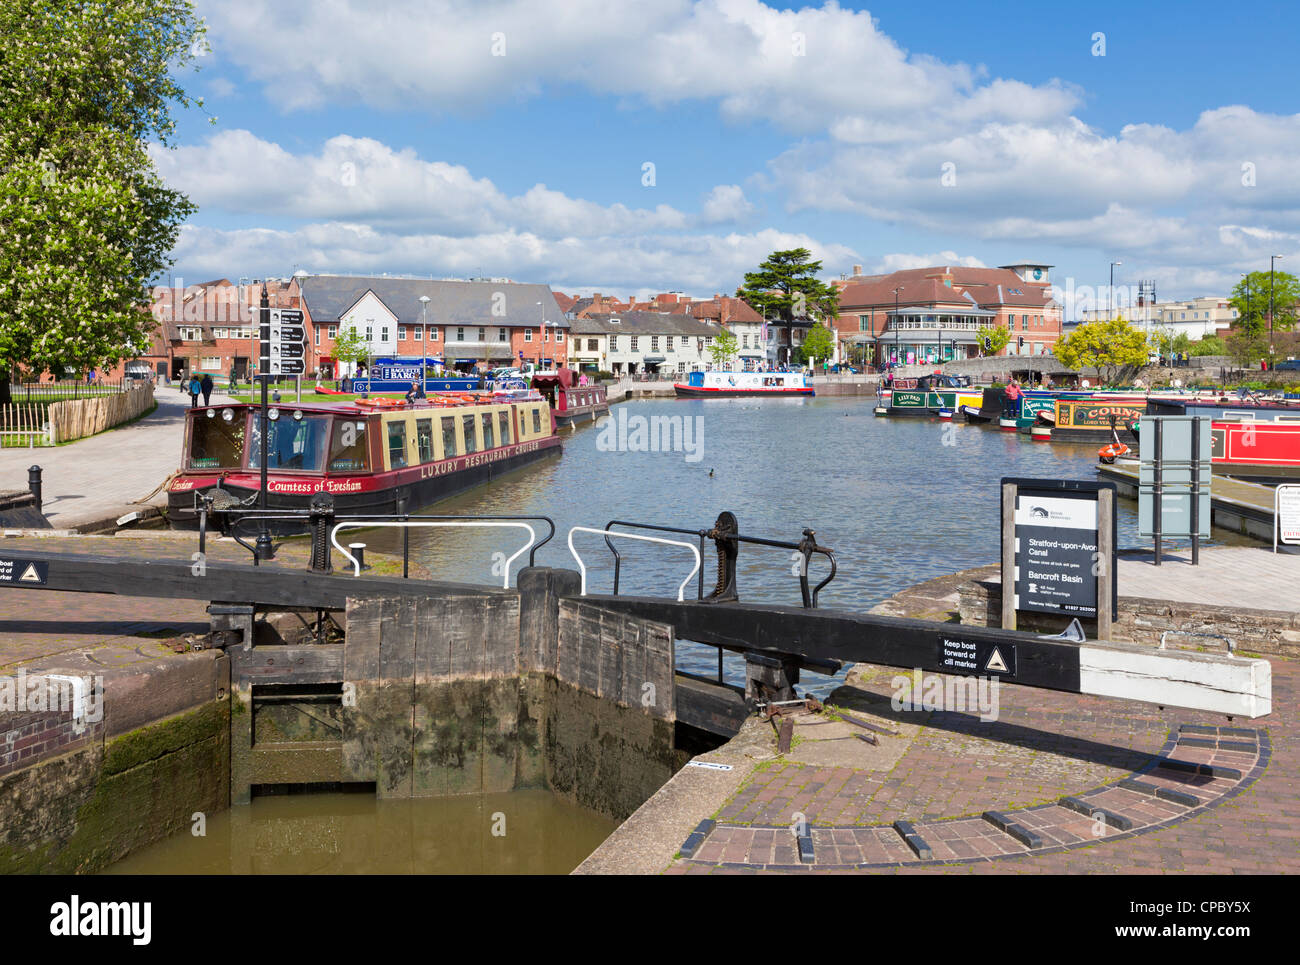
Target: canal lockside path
(942,770)
(94,481)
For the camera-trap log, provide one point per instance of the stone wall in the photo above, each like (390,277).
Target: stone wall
(1142,620)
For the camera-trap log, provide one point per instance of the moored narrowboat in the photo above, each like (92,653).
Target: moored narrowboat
(570,401)
(729,384)
(376,456)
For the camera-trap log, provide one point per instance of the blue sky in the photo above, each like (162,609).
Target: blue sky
(510,138)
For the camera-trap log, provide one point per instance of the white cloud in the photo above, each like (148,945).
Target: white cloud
(691,262)
(880,127)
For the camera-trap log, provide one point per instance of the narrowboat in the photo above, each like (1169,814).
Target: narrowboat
(373,456)
(728,384)
(570,402)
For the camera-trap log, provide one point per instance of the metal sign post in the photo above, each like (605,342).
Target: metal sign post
(1286,515)
(1058,550)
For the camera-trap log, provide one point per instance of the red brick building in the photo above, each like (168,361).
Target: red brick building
(933,314)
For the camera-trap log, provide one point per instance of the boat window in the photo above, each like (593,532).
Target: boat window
(448,437)
(537,419)
(471,441)
(216,443)
(424,438)
(349,450)
(397,445)
(503,422)
(487,431)
(291,443)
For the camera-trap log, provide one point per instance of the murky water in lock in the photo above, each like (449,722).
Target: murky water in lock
(523,832)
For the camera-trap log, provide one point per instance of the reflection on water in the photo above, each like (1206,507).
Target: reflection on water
(357,834)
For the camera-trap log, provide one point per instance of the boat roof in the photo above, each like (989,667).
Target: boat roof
(435,402)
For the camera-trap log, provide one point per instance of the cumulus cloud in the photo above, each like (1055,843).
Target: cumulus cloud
(690,262)
(883,133)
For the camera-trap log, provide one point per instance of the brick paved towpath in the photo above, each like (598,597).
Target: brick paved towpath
(1046,757)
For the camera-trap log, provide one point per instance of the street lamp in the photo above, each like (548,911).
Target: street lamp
(1271,259)
(424,341)
(895,325)
(1111,292)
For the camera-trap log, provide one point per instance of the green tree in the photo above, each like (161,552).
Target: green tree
(350,346)
(1208,345)
(992,339)
(1167,342)
(1253,311)
(1104,346)
(1247,347)
(723,349)
(85,221)
(818,344)
(785,289)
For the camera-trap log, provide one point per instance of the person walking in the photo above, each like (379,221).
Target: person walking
(195,388)
(205,386)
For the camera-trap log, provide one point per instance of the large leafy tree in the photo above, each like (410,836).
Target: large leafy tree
(85,221)
(786,289)
(1251,299)
(1106,346)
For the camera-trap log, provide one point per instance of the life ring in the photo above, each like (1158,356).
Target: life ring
(1108,454)
(381,403)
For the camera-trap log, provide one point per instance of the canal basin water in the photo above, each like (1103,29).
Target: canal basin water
(898,500)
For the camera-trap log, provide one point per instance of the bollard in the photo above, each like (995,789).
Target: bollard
(358,551)
(34,484)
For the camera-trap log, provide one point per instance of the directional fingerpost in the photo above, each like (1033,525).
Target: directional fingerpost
(284,342)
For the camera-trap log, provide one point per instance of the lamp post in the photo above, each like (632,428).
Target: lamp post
(1271,259)
(895,325)
(424,341)
(1110,293)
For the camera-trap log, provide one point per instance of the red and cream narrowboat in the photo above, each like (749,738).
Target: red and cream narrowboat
(371,455)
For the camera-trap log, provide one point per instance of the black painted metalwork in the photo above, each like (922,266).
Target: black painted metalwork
(256,517)
(726,536)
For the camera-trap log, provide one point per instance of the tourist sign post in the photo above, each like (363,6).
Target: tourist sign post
(1058,550)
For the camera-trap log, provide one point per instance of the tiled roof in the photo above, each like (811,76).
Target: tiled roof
(644,323)
(509,304)
(986,287)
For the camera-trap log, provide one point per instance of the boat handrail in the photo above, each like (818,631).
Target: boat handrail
(582,567)
(423,523)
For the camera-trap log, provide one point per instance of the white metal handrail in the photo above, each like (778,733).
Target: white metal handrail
(582,568)
(362,524)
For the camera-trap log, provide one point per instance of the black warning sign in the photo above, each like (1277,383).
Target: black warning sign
(980,657)
(23,572)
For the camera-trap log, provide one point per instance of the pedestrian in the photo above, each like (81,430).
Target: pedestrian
(205,386)
(1011,400)
(416,392)
(195,388)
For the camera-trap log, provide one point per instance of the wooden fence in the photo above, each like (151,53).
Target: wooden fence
(78,418)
